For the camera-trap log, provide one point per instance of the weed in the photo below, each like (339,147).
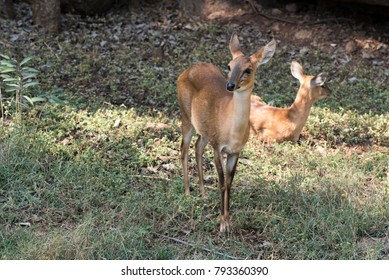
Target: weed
(18,79)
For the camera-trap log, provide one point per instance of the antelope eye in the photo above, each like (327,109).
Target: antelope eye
(248,71)
(228,67)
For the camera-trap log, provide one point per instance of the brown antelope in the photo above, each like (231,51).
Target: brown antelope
(219,111)
(285,124)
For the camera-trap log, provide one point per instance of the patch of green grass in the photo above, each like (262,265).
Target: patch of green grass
(348,127)
(94,191)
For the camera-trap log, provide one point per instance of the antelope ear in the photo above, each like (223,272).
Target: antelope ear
(297,70)
(264,54)
(319,80)
(234,46)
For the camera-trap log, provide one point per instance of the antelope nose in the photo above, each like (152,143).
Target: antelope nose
(230,86)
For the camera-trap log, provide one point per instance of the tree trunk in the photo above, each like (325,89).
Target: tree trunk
(7,9)
(47,13)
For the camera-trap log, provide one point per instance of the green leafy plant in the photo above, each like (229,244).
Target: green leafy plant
(17,80)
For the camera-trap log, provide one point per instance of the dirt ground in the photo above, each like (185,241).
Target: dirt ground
(350,32)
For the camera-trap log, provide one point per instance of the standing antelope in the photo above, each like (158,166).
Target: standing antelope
(285,124)
(219,111)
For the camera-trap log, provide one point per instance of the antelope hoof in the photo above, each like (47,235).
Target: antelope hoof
(225,225)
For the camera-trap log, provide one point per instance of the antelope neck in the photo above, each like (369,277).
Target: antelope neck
(301,106)
(241,110)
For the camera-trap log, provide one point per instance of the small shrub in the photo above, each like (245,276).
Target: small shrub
(18,79)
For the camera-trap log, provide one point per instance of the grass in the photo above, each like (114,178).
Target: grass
(106,193)
(75,186)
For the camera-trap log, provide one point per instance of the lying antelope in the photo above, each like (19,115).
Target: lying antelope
(285,124)
(219,111)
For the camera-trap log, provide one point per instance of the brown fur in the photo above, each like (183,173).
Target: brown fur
(220,116)
(285,124)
